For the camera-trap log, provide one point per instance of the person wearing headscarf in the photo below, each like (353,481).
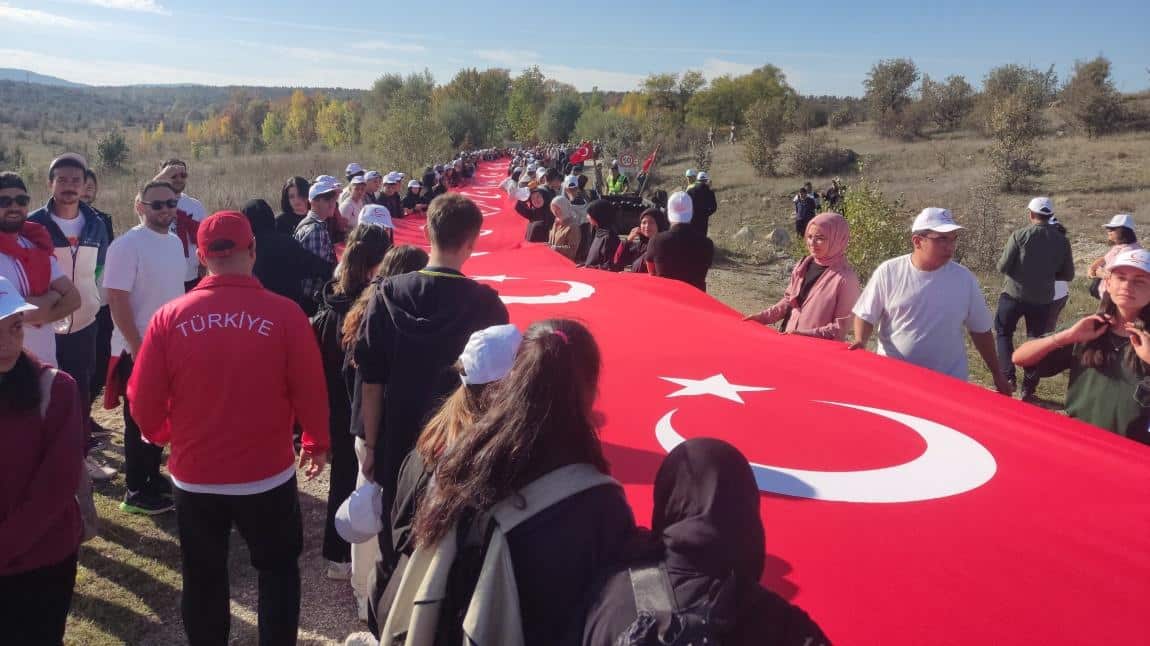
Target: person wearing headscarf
(604,241)
(631,254)
(281,261)
(565,234)
(823,286)
(707,534)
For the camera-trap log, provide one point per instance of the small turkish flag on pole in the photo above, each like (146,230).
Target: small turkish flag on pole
(581,153)
(650,160)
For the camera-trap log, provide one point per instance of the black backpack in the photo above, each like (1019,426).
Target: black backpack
(660,622)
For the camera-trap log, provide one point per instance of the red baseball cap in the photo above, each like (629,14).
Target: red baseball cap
(224,232)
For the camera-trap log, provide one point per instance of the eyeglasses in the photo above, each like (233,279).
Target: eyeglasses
(157,205)
(7,200)
(816,239)
(943,239)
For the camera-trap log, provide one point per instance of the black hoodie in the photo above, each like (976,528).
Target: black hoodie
(707,532)
(281,262)
(604,244)
(414,328)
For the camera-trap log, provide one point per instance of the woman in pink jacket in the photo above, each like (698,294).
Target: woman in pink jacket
(823,286)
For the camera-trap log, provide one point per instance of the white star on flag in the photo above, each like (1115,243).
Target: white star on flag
(716,385)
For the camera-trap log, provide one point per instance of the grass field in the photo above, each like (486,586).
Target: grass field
(128,588)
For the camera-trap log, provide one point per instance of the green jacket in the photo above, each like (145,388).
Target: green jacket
(1035,257)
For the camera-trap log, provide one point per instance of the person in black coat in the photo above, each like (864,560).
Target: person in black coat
(293,205)
(537,209)
(605,242)
(707,534)
(681,253)
(281,263)
(703,200)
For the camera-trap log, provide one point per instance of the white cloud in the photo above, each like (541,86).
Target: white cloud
(104,72)
(716,67)
(389,46)
(510,57)
(586,78)
(148,6)
(38,18)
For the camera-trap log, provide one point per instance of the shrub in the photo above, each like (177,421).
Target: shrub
(112,150)
(878,232)
(1015,123)
(840,118)
(888,87)
(1033,88)
(814,154)
(949,103)
(767,120)
(981,241)
(1090,101)
(617,132)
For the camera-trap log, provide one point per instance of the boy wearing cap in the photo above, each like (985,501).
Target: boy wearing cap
(223,373)
(1035,257)
(681,253)
(80,238)
(27,259)
(391,198)
(703,202)
(315,236)
(921,302)
(351,205)
(145,269)
(413,330)
(374,181)
(1107,354)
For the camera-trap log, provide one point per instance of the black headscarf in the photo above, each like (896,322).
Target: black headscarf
(604,214)
(260,215)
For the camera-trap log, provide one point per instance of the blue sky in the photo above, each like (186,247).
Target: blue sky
(824,47)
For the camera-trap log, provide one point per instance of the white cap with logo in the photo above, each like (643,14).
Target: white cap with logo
(1136,258)
(1120,220)
(11,302)
(935,219)
(320,187)
(489,353)
(1041,205)
(376,214)
(360,517)
(679,208)
(353,168)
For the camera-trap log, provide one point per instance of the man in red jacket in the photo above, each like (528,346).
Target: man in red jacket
(222,374)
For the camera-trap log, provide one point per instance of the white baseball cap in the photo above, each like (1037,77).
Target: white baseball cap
(376,214)
(1120,220)
(703,176)
(392,178)
(540,172)
(572,181)
(11,302)
(414,184)
(679,208)
(353,168)
(1041,205)
(1136,258)
(531,167)
(360,517)
(522,193)
(325,178)
(935,219)
(321,187)
(489,353)
(358,179)
(691,172)
(373,174)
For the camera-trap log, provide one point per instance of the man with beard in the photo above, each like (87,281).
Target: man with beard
(189,213)
(145,269)
(26,259)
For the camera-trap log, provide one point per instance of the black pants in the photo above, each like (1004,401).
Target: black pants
(1010,310)
(141,460)
(34,605)
(801,226)
(344,467)
(76,354)
(104,328)
(271,525)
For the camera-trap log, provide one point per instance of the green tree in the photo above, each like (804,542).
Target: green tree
(559,117)
(1090,99)
(300,126)
(112,150)
(525,104)
(461,120)
(888,86)
(949,103)
(272,130)
(337,125)
(408,139)
(616,131)
(767,120)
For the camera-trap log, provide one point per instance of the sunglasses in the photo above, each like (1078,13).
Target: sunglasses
(180,176)
(7,200)
(156,205)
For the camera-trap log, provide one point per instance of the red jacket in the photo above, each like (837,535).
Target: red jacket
(222,374)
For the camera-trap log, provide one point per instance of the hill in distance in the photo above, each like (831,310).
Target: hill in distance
(25,76)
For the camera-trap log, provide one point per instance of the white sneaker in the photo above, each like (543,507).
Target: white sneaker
(361,608)
(97,471)
(338,571)
(361,639)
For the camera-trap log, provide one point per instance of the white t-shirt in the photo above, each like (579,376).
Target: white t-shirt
(70,228)
(39,340)
(349,211)
(920,316)
(148,265)
(1061,289)
(194,208)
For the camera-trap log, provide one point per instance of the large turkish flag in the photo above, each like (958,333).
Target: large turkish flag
(901,506)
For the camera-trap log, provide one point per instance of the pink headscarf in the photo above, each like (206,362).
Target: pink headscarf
(838,234)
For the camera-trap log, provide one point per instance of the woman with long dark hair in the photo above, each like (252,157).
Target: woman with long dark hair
(1106,353)
(539,426)
(40,523)
(293,204)
(708,548)
(366,248)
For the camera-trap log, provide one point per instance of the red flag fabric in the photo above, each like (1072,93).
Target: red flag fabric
(901,506)
(582,153)
(650,160)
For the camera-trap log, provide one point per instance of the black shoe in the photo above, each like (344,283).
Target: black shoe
(1029,395)
(140,502)
(161,486)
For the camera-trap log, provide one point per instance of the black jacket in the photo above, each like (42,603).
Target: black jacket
(281,262)
(539,220)
(287,222)
(601,253)
(682,253)
(703,206)
(706,531)
(414,328)
(328,325)
(394,204)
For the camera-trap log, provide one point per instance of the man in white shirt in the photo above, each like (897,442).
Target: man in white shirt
(189,213)
(144,270)
(921,302)
(26,259)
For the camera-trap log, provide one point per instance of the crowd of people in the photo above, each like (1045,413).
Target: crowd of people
(258,346)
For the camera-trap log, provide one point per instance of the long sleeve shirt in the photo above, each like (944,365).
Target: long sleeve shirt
(1035,257)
